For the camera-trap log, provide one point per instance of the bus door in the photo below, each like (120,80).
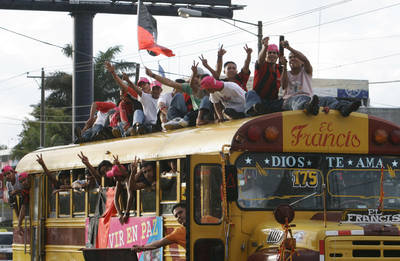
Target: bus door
(206,230)
(37,214)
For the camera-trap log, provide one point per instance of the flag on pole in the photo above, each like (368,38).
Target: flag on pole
(147,33)
(161,70)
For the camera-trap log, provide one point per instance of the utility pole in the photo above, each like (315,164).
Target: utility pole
(42,111)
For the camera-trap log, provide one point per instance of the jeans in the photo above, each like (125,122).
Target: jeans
(177,108)
(253,98)
(297,102)
(208,106)
(89,134)
(330,102)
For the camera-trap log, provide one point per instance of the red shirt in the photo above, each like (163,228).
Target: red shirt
(104,107)
(241,79)
(132,92)
(266,82)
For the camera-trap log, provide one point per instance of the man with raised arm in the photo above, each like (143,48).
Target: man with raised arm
(228,98)
(230,68)
(145,120)
(267,81)
(178,236)
(199,99)
(129,102)
(298,93)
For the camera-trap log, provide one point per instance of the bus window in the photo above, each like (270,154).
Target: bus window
(148,201)
(51,197)
(208,180)
(64,203)
(360,189)
(168,179)
(78,192)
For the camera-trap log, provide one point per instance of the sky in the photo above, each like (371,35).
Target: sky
(343,39)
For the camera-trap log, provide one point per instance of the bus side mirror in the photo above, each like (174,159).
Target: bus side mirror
(231,183)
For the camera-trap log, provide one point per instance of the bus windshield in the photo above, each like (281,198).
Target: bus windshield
(360,189)
(267,180)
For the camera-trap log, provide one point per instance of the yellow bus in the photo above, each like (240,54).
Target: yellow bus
(340,175)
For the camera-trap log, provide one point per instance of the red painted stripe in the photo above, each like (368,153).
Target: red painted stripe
(322,247)
(344,233)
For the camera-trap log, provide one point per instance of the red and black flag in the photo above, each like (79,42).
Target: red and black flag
(147,33)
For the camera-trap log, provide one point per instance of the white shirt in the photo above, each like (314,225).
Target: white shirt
(231,96)
(149,108)
(17,185)
(101,118)
(166,99)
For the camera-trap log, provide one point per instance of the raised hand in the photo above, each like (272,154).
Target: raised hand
(247,49)
(194,67)
(282,60)
(203,61)
(84,159)
(109,67)
(149,72)
(116,160)
(285,44)
(265,41)
(40,160)
(125,77)
(221,51)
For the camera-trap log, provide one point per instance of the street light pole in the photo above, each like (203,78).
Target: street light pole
(187,12)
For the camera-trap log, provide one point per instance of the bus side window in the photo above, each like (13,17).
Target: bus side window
(208,180)
(168,179)
(78,192)
(148,195)
(64,194)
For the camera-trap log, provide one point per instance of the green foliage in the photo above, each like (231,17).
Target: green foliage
(59,101)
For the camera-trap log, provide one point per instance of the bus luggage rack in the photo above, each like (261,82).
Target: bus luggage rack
(346,248)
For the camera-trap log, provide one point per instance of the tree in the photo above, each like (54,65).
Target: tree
(58,103)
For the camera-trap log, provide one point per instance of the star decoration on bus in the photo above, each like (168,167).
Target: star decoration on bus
(309,163)
(394,163)
(350,163)
(248,160)
(266,161)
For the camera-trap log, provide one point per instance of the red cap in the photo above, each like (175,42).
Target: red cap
(273,48)
(209,82)
(7,168)
(115,171)
(156,83)
(143,79)
(22,176)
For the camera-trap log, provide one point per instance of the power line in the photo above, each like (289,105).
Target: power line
(383,82)
(361,61)
(343,18)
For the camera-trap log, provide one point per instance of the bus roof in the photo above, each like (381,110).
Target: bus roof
(160,145)
(291,131)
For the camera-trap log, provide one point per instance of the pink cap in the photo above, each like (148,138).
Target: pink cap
(7,168)
(115,171)
(156,83)
(209,82)
(22,176)
(273,48)
(143,79)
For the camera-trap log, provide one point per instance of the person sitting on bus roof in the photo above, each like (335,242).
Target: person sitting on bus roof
(145,121)
(95,123)
(230,68)
(129,100)
(228,98)
(267,81)
(200,100)
(298,93)
(178,236)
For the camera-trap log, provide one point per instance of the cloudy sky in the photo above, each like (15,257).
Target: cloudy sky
(344,39)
